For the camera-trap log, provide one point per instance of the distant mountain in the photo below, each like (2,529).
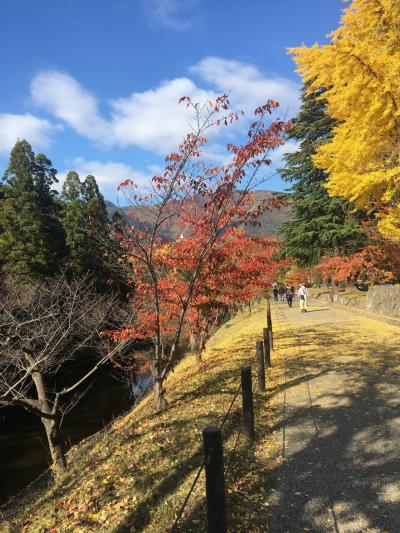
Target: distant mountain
(270,221)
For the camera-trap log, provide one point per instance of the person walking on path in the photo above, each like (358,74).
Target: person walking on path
(303,294)
(282,292)
(289,296)
(275,293)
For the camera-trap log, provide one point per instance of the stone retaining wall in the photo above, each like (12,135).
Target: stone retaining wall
(343,299)
(384,299)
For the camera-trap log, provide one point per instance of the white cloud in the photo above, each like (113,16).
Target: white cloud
(108,174)
(247,86)
(173,14)
(152,119)
(62,96)
(36,131)
(288,148)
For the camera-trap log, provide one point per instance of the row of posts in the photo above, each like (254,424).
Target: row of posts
(212,437)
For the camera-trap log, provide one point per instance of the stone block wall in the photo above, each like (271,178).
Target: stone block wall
(384,299)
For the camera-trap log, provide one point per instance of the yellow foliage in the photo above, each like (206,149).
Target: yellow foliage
(360,72)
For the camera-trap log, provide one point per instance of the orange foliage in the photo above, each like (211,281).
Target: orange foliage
(375,264)
(298,275)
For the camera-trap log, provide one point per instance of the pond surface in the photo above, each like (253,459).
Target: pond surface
(23,444)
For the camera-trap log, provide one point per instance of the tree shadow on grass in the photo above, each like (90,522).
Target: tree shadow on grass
(156,491)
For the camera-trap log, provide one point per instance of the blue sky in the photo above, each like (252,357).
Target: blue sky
(94,84)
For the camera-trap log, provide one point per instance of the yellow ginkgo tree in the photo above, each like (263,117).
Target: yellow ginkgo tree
(360,72)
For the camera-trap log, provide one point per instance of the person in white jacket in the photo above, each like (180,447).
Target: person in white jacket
(302,293)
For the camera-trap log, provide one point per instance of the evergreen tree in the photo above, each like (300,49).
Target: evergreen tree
(44,177)
(98,227)
(96,205)
(85,225)
(31,239)
(319,224)
(74,221)
(72,187)
(1,229)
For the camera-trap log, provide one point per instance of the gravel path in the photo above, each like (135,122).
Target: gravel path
(341,423)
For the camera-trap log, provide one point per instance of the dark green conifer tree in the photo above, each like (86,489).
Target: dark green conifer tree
(319,224)
(45,176)
(31,239)
(85,223)
(96,205)
(74,220)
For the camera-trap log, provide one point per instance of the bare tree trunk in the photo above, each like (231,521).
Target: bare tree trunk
(159,394)
(192,342)
(56,448)
(199,358)
(157,372)
(200,348)
(51,425)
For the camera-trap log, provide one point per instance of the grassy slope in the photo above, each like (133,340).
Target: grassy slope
(134,475)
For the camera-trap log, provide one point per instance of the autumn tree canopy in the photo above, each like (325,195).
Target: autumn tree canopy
(375,264)
(359,72)
(205,200)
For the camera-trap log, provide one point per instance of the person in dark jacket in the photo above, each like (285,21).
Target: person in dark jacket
(275,293)
(282,292)
(289,296)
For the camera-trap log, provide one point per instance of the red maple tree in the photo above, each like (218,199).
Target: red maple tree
(237,270)
(206,200)
(297,275)
(375,264)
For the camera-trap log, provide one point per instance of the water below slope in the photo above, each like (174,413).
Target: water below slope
(23,447)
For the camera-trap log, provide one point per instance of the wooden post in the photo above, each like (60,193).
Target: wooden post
(267,347)
(271,335)
(268,311)
(215,481)
(269,325)
(247,401)
(260,366)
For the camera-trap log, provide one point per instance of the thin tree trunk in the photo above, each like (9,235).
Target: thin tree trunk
(51,425)
(157,372)
(55,446)
(199,347)
(192,342)
(199,358)
(159,394)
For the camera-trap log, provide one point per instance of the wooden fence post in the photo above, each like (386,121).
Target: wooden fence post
(215,481)
(267,347)
(247,401)
(268,311)
(269,325)
(260,366)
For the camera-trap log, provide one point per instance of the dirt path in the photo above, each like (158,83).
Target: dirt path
(341,422)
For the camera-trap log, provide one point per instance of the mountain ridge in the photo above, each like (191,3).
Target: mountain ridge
(269,221)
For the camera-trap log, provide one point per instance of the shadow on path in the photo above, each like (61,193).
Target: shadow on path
(341,428)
